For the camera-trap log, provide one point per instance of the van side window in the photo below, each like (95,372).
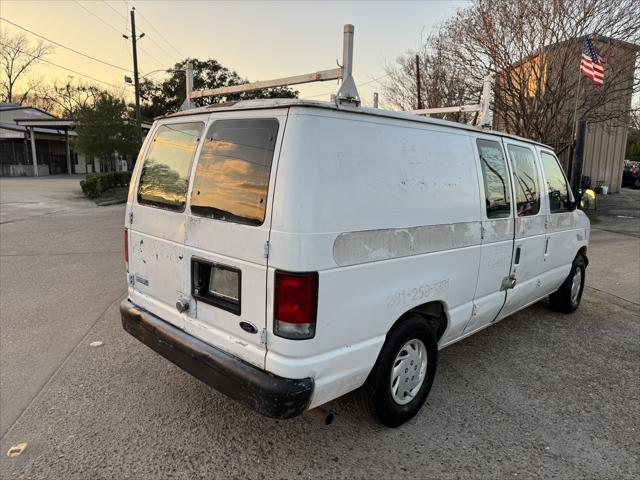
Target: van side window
(556,184)
(496,179)
(232,176)
(525,179)
(165,172)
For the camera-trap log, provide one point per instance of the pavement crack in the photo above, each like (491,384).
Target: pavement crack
(626,300)
(30,217)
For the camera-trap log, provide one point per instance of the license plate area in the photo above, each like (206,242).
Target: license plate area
(216,284)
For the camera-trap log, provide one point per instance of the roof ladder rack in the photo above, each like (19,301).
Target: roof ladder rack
(347,94)
(485,117)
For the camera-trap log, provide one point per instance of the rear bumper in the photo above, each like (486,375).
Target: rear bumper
(262,391)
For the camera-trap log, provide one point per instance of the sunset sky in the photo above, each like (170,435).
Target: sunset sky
(260,40)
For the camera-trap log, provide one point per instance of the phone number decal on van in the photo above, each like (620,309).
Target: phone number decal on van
(418,293)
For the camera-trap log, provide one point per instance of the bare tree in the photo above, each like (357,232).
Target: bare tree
(66,98)
(17,57)
(442,80)
(533,49)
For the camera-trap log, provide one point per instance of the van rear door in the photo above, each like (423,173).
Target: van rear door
(158,270)
(227,230)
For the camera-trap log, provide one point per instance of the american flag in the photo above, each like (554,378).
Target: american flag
(591,63)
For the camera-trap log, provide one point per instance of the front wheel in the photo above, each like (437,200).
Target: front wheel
(567,298)
(401,379)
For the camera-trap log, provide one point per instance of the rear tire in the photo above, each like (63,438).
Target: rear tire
(401,379)
(567,298)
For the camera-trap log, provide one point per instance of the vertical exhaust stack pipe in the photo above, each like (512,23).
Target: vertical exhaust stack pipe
(319,415)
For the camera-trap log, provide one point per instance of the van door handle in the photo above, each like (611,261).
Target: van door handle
(516,260)
(508,282)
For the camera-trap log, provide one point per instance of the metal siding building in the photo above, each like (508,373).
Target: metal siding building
(605,143)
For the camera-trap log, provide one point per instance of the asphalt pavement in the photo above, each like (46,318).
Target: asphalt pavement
(539,395)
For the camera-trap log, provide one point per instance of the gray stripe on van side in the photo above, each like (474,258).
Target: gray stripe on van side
(352,248)
(530,226)
(498,230)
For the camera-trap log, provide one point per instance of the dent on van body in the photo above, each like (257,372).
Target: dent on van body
(353,248)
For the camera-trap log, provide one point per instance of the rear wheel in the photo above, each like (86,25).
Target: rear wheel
(567,298)
(401,379)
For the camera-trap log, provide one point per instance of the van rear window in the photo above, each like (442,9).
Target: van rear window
(165,172)
(232,176)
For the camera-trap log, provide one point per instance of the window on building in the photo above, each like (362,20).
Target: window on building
(559,199)
(232,176)
(164,179)
(525,179)
(496,179)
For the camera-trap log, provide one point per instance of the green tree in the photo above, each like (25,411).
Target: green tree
(167,96)
(105,128)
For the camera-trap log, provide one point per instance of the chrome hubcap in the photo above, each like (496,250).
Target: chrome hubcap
(408,372)
(575,285)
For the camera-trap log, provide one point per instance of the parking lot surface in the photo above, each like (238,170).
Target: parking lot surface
(539,395)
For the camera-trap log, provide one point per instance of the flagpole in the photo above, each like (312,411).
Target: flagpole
(575,109)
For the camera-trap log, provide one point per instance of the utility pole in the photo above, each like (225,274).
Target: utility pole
(136,79)
(418,82)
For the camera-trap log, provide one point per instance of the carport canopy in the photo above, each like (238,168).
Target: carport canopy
(58,124)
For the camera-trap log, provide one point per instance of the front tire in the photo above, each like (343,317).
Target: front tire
(567,298)
(401,379)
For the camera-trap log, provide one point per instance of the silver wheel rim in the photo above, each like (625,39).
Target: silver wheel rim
(575,286)
(408,372)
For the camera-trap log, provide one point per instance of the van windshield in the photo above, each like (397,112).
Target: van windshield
(232,177)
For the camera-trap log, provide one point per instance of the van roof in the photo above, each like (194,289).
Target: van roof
(298,102)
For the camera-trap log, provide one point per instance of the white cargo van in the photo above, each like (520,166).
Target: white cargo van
(287,252)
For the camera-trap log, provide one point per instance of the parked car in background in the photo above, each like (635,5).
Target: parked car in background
(631,174)
(287,252)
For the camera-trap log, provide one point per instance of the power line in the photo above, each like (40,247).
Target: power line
(96,16)
(64,46)
(60,66)
(169,55)
(159,62)
(109,5)
(115,29)
(158,45)
(150,24)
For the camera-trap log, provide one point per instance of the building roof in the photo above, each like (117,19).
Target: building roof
(11,107)
(378,112)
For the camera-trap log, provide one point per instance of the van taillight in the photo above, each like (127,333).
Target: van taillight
(126,247)
(296,305)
